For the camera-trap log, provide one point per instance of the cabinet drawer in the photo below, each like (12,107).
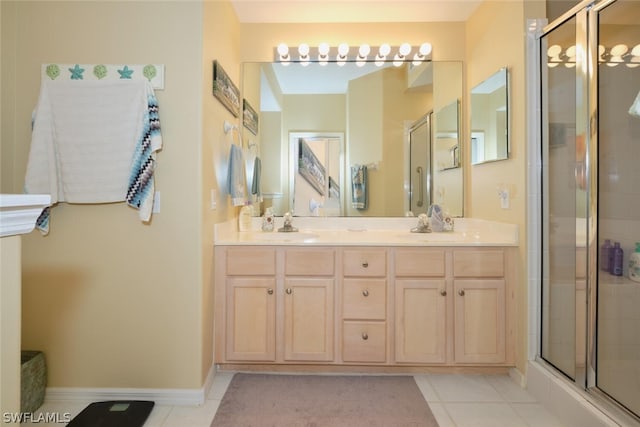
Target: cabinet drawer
(487,263)
(309,262)
(364,299)
(420,262)
(251,261)
(365,262)
(364,341)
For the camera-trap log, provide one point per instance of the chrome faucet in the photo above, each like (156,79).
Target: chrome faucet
(423,224)
(287,228)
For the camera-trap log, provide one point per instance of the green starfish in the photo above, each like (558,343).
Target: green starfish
(125,73)
(76,72)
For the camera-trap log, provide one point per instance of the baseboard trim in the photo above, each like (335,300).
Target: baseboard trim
(161,396)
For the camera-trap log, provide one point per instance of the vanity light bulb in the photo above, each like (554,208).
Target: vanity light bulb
(364,51)
(303,49)
(323,49)
(554,51)
(571,52)
(425,49)
(619,50)
(283,50)
(384,50)
(405,49)
(343,49)
(636,50)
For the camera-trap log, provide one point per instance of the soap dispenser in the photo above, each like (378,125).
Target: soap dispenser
(634,264)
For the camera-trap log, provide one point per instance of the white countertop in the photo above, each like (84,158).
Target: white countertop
(315,231)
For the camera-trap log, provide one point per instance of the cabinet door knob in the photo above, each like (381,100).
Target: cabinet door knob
(288,291)
(461,292)
(443,293)
(270,291)
(365,293)
(365,336)
(365,264)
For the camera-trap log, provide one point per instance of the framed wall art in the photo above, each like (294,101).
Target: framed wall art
(225,90)
(249,117)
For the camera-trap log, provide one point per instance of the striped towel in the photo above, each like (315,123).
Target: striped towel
(94,142)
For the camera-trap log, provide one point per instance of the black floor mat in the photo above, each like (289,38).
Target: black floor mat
(113,413)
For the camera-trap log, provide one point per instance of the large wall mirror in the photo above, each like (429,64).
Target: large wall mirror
(490,119)
(354,118)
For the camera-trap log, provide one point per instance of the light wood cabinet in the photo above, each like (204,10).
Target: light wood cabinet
(364,305)
(279,305)
(393,306)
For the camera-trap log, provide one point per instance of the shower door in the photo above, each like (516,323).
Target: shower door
(618,217)
(564,209)
(420,165)
(590,84)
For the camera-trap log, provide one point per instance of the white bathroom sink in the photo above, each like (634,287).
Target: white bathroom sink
(287,237)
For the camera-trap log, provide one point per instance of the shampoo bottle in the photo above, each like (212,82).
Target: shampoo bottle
(634,264)
(604,255)
(244,219)
(616,269)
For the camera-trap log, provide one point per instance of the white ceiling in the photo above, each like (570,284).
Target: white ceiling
(324,11)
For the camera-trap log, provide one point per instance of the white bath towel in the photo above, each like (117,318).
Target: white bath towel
(635,107)
(89,140)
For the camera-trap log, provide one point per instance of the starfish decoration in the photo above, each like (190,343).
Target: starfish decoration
(125,73)
(76,72)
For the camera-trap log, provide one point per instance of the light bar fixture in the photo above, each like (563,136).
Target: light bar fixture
(324,54)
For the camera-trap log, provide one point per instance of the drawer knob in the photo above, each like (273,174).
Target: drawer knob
(365,264)
(288,291)
(365,293)
(270,291)
(365,336)
(461,292)
(443,293)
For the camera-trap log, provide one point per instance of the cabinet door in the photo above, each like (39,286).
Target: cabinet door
(251,319)
(308,319)
(480,317)
(420,321)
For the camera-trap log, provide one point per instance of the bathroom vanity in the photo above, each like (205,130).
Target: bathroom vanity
(376,297)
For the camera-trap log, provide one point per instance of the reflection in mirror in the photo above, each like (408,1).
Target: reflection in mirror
(447,172)
(490,119)
(372,108)
(317,174)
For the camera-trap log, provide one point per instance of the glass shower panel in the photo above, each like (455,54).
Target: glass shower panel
(618,325)
(561,185)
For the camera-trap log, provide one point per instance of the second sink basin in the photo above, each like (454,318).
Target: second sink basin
(433,237)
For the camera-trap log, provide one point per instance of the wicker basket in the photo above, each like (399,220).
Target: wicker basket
(33,380)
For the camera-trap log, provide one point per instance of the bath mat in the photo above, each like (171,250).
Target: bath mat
(323,400)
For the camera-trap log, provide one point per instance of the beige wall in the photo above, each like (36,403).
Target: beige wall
(113,302)
(495,37)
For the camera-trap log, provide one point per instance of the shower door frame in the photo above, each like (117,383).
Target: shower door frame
(587,31)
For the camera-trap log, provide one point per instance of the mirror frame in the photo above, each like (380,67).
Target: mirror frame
(479,133)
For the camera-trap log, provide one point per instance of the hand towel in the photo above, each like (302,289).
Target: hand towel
(635,107)
(257,174)
(359,199)
(237,177)
(94,142)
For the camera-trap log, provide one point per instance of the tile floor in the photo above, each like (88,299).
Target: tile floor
(456,400)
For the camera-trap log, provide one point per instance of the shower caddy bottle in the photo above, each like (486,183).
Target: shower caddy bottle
(618,255)
(604,255)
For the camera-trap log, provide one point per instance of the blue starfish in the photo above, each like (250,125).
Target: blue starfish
(125,73)
(76,72)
